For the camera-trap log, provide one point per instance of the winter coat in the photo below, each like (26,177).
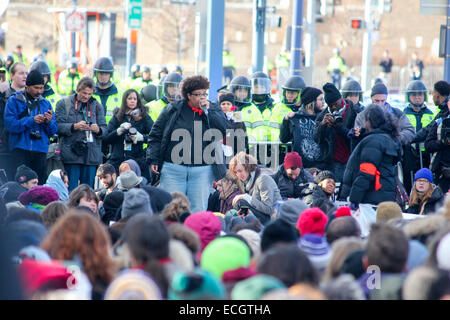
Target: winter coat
(70,138)
(4,96)
(326,136)
(291,188)
(19,122)
(300,130)
(161,133)
(261,192)
(227,204)
(430,205)
(313,196)
(118,153)
(378,149)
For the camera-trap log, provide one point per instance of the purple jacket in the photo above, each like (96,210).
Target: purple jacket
(227,204)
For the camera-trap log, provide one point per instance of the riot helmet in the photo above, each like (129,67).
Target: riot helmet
(293,84)
(261,85)
(241,88)
(416,87)
(43,68)
(104,65)
(148,93)
(145,69)
(351,87)
(171,86)
(135,70)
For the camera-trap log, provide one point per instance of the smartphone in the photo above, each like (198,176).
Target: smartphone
(244,210)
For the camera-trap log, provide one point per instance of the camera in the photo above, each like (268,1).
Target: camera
(132,131)
(337,116)
(445,131)
(35,135)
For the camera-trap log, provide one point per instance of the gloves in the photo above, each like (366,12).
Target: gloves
(123,127)
(137,137)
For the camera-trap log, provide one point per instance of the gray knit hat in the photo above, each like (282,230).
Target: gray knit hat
(290,210)
(136,201)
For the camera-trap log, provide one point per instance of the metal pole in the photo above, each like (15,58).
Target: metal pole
(296,38)
(197,41)
(128,31)
(73,33)
(311,19)
(259,24)
(367,47)
(214,45)
(447,46)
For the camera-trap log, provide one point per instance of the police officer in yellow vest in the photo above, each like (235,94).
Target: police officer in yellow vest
(170,92)
(290,102)
(228,64)
(336,67)
(420,116)
(68,79)
(106,91)
(135,72)
(18,55)
(49,93)
(144,80)
(261,99)
(241,88)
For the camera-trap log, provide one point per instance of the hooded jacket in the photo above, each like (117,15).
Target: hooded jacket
(54,181)
(19,122)
(291,188)
(314,196)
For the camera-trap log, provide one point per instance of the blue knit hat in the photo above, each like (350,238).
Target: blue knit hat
(424,173)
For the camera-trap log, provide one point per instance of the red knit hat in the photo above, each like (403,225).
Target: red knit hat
(292,159)
(312,220)
(343,211)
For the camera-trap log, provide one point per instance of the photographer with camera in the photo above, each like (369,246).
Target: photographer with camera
(30,123)
(81,127)
(333,126)
(128,131)
(438,143)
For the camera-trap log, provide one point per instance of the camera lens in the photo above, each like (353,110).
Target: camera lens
(132,131)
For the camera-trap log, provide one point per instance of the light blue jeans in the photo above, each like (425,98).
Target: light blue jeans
(194,182)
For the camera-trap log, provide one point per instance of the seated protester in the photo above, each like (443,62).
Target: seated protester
(214,200)
(425,196)
(438,144)
(38,197)
(261,192)
(228,188)
(299,126)
(370,176)
(128,130)
(291,178)
(27,177)
(59,181)
(84,196)
(106,173)
(333,125)
(319,194)
(132,165)
(128,180)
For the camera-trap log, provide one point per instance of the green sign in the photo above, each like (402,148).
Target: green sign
(134,14)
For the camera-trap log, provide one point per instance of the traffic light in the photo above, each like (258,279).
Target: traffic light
(357,23)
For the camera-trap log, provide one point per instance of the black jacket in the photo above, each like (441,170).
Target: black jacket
(300,130)
(118,153)
(291,188)
(313,196)
(380,149)
(430,205)
(326,136)
(161,132)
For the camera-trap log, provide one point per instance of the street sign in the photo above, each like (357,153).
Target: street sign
(433,7)
(134,14)
(75,21)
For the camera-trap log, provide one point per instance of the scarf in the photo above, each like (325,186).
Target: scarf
(197,110)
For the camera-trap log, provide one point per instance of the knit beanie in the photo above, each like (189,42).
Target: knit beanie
(253,239)
(442,87)
(332,94)
(226,97)
(206,225)
(196,285)
(25,174)
(34,78)
(277,231)
(388,210)
(224,254)
(133,285)
(292,159)
(324,174)
(290,210)
(310,94)
(42,195)
(317,250)
(424,173)
(255,287)
(135,201)
(379,88)
(312,220)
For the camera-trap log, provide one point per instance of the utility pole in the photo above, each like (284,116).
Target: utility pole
(296,38)
(214,45)
(366,64)
(259,25)
(311,20)
(447,46)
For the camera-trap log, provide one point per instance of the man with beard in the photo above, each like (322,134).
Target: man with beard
(108,178)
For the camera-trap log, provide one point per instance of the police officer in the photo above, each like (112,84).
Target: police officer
(106,91)
(420,116)
(49,93)
(352,91)
(68,79)
(336,67)
(261,98)
(135,73)
(170,92)
(290,102)
(144,80)
(241,87)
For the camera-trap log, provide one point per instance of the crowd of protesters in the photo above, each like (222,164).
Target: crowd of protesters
(164,200)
